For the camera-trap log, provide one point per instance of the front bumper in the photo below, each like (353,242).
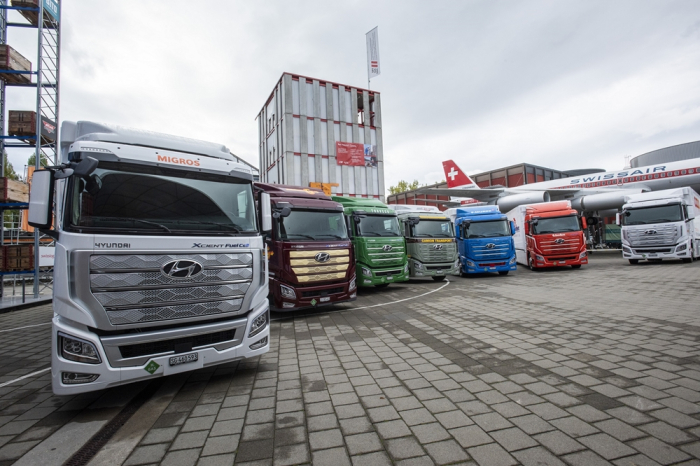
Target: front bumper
(313,296)
(580,258)
(157,365)
(474,266)
(421,269)
(383,276)
(680,250)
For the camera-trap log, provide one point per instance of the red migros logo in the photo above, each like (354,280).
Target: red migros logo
(178,160)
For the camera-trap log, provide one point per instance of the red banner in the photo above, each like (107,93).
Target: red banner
(350,153)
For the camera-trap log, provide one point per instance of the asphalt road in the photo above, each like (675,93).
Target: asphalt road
(593,366)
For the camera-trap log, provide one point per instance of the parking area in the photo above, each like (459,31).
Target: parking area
(582,367)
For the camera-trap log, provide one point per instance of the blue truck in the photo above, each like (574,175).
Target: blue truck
(484,240)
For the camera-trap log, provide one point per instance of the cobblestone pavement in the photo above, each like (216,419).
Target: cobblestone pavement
(581,367)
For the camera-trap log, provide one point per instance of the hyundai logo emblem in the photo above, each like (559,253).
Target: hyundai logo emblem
(437,247)
(322,257)
(181,269)
(649,232)
(490,246)
(559,240)
(387,248)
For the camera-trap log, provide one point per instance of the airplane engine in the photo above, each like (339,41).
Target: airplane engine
(603,201)
(507,203)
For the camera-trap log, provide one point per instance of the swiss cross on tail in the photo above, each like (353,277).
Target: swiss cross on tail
(455,177)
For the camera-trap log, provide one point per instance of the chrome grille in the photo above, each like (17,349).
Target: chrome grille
(498,251)
(641,236)
(429,254)
(378,256)
(132,288)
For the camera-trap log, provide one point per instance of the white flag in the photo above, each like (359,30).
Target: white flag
(373,53)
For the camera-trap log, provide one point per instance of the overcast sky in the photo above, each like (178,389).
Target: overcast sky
(563,84)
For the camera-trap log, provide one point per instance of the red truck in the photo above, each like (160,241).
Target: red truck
(549,234)
(311,262)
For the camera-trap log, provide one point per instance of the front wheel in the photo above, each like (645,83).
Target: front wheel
(687,260)
(634,261)
(503,272)
(439,278)
(577,266)
(531,263)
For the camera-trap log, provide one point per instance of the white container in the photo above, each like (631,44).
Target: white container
(299,126)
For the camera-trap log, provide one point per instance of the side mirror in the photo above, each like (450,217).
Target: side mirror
(41,199)
(584,223)
(85,167)
(617,219)
(413,221)
(512,228)
(265,212)
(283,210)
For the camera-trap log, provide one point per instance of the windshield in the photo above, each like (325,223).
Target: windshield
(488,229)
(309,225)
(433,229)
(378,225)
(556,225)
(658,214)
(119,198)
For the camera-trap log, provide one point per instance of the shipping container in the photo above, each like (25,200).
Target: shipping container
(322,134)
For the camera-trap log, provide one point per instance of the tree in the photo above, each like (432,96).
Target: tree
(403,186)
(10,217)
(9,169)
(32,160)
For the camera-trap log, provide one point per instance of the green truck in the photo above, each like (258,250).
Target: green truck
(380,248)
(430,240)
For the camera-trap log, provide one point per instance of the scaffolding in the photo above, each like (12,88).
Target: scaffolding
(44,15)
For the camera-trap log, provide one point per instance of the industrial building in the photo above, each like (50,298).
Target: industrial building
(689,150)
(322,134)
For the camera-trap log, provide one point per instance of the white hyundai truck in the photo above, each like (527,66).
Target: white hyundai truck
(661,225)
(159,259)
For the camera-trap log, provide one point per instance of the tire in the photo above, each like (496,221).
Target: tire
(503,272)
(439,278)
(577,266)
(634,261)
(687,260)
(382,285)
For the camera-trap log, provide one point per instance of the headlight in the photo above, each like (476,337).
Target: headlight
(682,247)
(418,265)
(287,292)
(366,272)
(512,260)
(582,255)
(539,258)
(471,264)
(352,284)
(258,324)
(75,349)
(405,268)
(626,249)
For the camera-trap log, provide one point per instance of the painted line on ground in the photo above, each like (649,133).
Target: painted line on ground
(24,377)
(366,307)
(26,326)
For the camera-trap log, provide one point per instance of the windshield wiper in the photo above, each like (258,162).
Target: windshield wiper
(424,234)
(664,220)
(235,228)
(302,236)
(138,220)
(333,236)
(363,233)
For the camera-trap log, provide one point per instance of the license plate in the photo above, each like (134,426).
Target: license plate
(653,255)
(438,272)
(389,278)
(562,262)
(183,359)
(325,300)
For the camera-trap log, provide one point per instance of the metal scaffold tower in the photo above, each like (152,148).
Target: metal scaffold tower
(44,15)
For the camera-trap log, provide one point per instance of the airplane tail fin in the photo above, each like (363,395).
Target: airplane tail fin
(456,178)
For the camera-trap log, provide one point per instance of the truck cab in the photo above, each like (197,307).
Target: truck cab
(380,248)
(549,234)
(661,225)
(310,256)
(430,242)
(485,240)
(159,259)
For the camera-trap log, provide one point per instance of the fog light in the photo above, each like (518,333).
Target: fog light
(368,281)
(582,255)
(287,305)
(354,295)
(366,272)
(74,378)
(75,349)
(259,344)
(258,324)
(352,285)
(287,292)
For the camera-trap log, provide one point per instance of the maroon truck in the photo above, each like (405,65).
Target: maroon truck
(310,257)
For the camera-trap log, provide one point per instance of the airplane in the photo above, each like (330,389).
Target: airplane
(596,192)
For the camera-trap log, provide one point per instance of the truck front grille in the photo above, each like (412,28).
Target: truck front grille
(644,237)
(319,265)
(445,253)
(138,288)
(491,251)
(565,245)
(177,345)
